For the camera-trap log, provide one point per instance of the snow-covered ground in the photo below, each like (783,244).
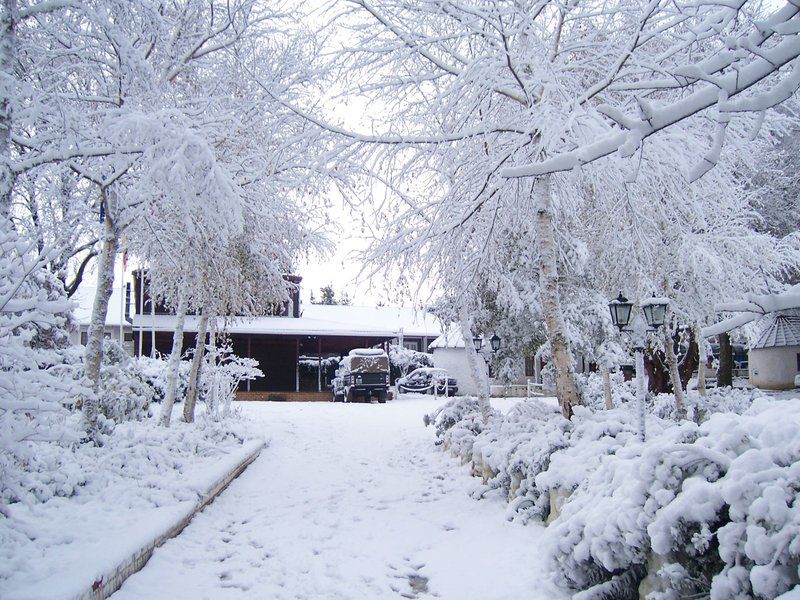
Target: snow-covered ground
(349,501)
(120,498)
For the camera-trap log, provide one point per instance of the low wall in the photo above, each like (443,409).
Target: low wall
(284,396)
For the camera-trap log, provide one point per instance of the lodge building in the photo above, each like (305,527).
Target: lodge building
(293,345)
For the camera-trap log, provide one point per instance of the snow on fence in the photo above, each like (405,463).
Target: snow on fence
(112,580)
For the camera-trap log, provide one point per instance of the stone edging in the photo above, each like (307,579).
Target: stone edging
(111,581)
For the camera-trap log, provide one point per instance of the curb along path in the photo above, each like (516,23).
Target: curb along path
(111,581)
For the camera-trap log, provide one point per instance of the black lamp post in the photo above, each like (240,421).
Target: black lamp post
(655,313)
(495,342)
(620,309)
(478,341)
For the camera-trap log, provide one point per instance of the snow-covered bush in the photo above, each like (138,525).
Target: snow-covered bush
(37,383)
(153,371)
(456,423)
(534,450)
(125,392)
(717,504)
(402,360)
(623,393)
(220,376)
(700,408)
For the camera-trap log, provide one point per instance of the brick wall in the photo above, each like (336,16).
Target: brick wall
(284,396)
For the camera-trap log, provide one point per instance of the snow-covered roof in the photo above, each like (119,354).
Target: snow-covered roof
(780,329)
(319,319)
(84,299)
(452,338)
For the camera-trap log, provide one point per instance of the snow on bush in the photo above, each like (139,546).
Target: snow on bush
(220,376)
(457,422)
(700,408)
(37,383)
(716,502)
(154,372)
(534,450)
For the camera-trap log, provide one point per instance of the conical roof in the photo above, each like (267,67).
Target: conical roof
(780,329)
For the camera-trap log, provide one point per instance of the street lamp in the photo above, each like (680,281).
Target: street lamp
(495,342)
(620,309)
(655,311)
(478,341)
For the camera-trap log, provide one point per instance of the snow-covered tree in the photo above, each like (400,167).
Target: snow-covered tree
(472,91)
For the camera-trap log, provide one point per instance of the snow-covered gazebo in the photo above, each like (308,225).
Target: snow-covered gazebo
(775,355)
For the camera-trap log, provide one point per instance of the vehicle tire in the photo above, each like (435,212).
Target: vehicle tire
(382,397)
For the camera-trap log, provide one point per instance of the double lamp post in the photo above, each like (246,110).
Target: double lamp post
(655,313)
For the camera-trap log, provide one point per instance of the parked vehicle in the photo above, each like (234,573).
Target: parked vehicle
(426,380)
(362,374)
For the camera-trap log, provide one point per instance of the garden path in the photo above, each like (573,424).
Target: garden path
(349,501)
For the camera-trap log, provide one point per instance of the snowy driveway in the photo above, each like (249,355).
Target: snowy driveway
(348,501)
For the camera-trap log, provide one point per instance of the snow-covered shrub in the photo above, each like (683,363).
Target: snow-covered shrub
(623,393)
(37,383)
(220,375)
(153,372)
(125,391)
(403,360)
(716,502)
(700,408)
(534,450)
(451,413)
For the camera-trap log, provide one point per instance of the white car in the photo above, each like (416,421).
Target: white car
(424,379)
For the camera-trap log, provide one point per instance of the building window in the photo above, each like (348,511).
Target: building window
(128,336)
(411,345)
(798,361)
(84,338)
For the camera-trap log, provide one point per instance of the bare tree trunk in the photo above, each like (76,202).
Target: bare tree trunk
(194,374)
(674,375)
(8,59)
(93,355)
(173,369)
(701,365)
(607,387)
(566,390)
(479,375)
(725,370)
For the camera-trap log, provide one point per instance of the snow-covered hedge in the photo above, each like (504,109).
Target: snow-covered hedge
(717,504)
(698,509)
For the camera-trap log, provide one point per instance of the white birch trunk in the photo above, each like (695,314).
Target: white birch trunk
(674,374)
(701,367)
(8,53)
(479,375)
(93,355)
(566,390)
(173,368)
(194,375)
(607,387)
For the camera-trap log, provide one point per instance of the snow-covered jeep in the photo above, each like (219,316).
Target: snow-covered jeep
(363,373)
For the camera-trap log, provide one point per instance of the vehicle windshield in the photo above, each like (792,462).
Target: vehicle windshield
(369,364)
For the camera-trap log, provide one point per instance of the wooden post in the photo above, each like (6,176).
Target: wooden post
(297,365)
(319,363)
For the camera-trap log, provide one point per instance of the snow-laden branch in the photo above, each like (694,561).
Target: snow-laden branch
(655,119)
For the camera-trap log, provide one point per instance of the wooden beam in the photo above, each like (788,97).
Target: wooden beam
(319,363)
